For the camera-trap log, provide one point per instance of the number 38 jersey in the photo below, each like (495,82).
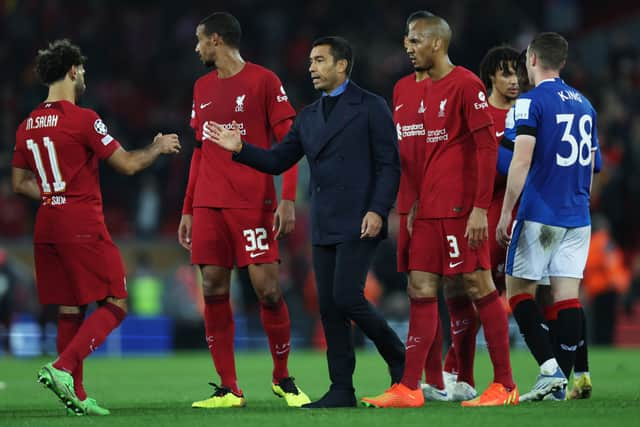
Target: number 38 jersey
(563,121)
(61,144)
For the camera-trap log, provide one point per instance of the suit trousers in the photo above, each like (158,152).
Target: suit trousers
(341,272)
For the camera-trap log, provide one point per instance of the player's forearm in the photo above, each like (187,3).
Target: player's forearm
(24,182)
(137,160)
(28,188)
(187,205)
(486,158)
(290,183)
(515,183)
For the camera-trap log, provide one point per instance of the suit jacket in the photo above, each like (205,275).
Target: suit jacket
(354,161)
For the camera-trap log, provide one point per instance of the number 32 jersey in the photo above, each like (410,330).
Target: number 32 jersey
(563,121)
(61,144)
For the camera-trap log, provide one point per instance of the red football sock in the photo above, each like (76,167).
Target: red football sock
(423,323)
(496,332)
(90,336)
(464,327)
(276,323)
(220,331)
(433,366)
(451,361)
(68,325)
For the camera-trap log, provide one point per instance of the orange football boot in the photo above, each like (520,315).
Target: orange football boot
(398,396)
(495,395)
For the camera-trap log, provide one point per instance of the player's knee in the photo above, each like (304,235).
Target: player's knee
(121,303)
(269,295)
(421,289)
(214,284)
(70,309)
(478,284)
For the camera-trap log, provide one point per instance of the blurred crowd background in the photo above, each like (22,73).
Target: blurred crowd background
(140,75)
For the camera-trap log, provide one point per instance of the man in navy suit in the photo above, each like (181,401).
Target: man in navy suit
(350,142)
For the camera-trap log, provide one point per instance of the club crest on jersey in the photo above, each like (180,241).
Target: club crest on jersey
(421,109)
(443,104)
(240,103)
(283,97)
(100,127)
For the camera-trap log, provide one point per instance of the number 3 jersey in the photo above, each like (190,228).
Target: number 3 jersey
(563,121)
(61,144)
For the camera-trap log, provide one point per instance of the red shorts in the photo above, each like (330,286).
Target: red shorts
(79,273)
(403,244)
(438,246)
(228,237)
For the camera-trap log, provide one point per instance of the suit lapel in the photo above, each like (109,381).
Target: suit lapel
(343,113)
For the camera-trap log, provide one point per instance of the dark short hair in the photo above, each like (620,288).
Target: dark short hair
(498,58)
(225,25)
(53,63)
(340,49)
(521,72)
(551,49)
(420,14)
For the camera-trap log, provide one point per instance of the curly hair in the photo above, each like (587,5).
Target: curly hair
(498,58)
(54,62)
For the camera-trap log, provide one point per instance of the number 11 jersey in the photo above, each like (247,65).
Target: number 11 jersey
(61,144)
(563,121)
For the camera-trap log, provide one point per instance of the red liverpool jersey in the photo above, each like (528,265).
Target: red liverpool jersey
(455,106)
(61,144)
(256,100)
(499,119)
(408,111)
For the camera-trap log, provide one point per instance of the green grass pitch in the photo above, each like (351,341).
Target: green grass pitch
(159,392)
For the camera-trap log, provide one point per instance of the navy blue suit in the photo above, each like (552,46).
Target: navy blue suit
(355,168)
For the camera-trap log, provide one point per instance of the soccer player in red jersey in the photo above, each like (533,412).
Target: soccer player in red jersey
(228,213)
(449,234)
(498,73)
(56,156)
(408,111)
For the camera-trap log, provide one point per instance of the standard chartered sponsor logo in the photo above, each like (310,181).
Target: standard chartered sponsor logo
(437,135)
(415,129)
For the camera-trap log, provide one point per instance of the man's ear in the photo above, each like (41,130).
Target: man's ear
(342,65)
(73,72)
(436,45)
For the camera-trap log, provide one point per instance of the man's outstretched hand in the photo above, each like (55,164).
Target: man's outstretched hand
(229,139)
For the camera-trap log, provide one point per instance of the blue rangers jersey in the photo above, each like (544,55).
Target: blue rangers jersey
(563,121)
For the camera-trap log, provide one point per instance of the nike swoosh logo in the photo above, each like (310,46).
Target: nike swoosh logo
(399,106)
(458,331)
(410,346)
(205,105)
(256,254)
(455,264)
(280,353)
(499,134)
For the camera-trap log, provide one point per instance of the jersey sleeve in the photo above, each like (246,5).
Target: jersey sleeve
(475,106)
(527,115)
(195,120)
(277,102)
(97,136)
(19,153)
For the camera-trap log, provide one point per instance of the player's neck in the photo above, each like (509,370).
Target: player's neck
(543,75)
(229,63)
(61,92)
(500,101)
(441,68)
(421,75)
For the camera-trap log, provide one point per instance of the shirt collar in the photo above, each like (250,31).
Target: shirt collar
(337,91)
